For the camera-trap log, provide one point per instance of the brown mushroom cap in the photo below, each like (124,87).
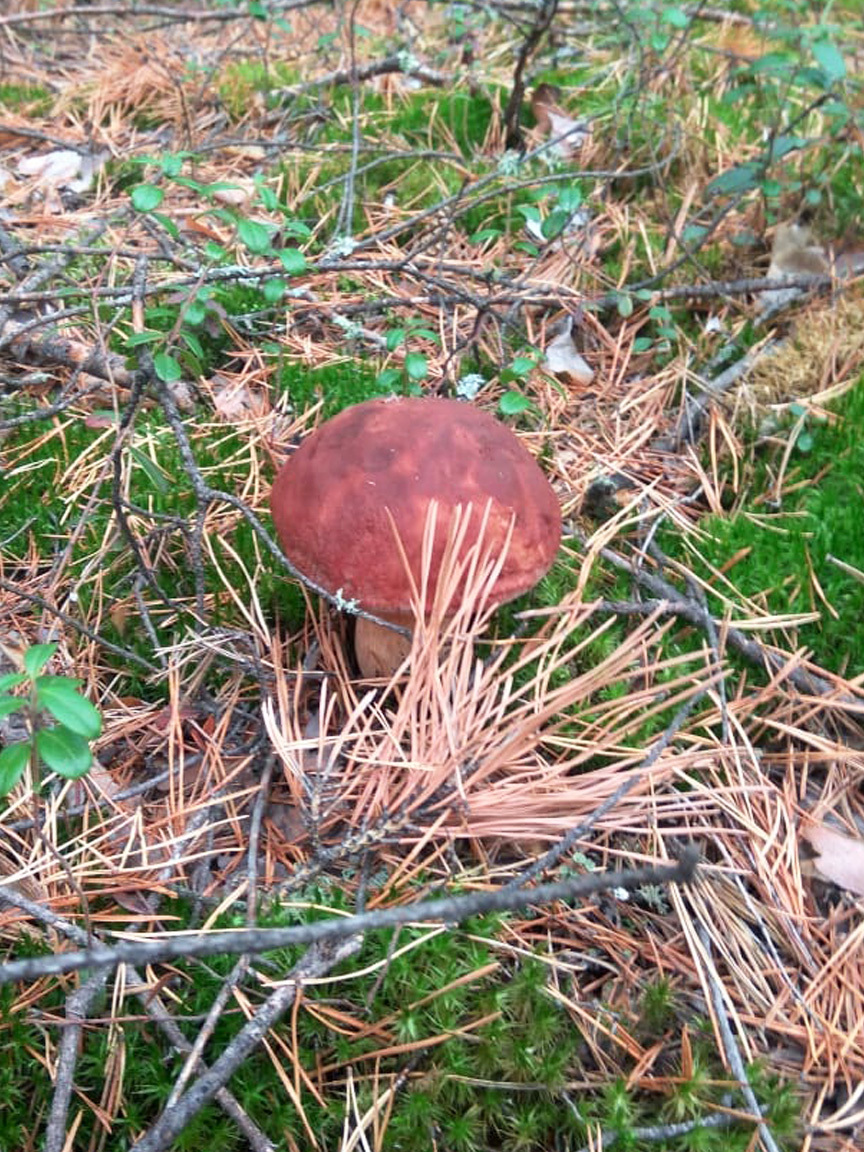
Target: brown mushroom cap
(331,499)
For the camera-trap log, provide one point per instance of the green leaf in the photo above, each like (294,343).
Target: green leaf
(522,365)
(674,16)
(146,197)
(741,178)
(784,144)
(136,339)
(484,234)
(570,198)
(555,223)
(529,212)
(512,403)
(70,708)
(192,343)
(195,313)
(74,681)
(214,251)
(10,704)
(157,477)
(274,289)
(780,63)
(388,378)
(13,761)
(188,182)
(11,680)
(293,261)
(642,343)
(624,304)
(829,60)
(416,366)
(269,199)
(394,338)
(426,334)
(296,228)
(65,752)
(804,442)
(37,657)
(693,233)
(172,162)
(167,368)
(256,237)
(837,111)
(737,94)
(167,223)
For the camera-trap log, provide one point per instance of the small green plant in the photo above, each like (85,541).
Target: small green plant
(174,330)
(415,366)
(514,402)
(63,746)
(802,431)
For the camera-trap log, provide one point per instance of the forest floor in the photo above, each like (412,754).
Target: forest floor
(219,227)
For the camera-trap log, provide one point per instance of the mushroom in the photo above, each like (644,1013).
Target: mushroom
(371,474)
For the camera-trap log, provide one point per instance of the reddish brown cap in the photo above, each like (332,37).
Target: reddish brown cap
(331,499)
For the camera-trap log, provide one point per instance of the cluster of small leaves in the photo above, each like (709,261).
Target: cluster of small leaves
(259,238)
(415,365)
(810,66)
(64,746)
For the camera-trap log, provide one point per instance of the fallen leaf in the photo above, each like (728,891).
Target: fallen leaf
(562,359)
(181,394)
(238,196)
(234,400)
(287,820)
(52,167)
(839,858)
(553,123)
(792,254)
(63,168)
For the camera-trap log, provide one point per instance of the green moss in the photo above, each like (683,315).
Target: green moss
(820,517)
(29,98)
(35,511)
(336,386)
(242,80)
(418,119)
(528,1039)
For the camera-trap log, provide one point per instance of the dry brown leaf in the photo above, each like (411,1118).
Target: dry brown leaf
(793,254)
(235,400)
(553,123)
(562,359)
(839,858)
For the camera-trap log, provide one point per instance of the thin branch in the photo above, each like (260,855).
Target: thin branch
(320,958)
(450,909)
(78,1006)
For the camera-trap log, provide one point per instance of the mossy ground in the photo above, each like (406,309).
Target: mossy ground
(507,1082)
(783,554)
(496,1058)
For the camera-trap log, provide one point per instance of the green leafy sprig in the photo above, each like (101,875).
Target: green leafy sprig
(61,723)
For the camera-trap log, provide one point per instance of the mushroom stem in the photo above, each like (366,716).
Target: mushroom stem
(379,650)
